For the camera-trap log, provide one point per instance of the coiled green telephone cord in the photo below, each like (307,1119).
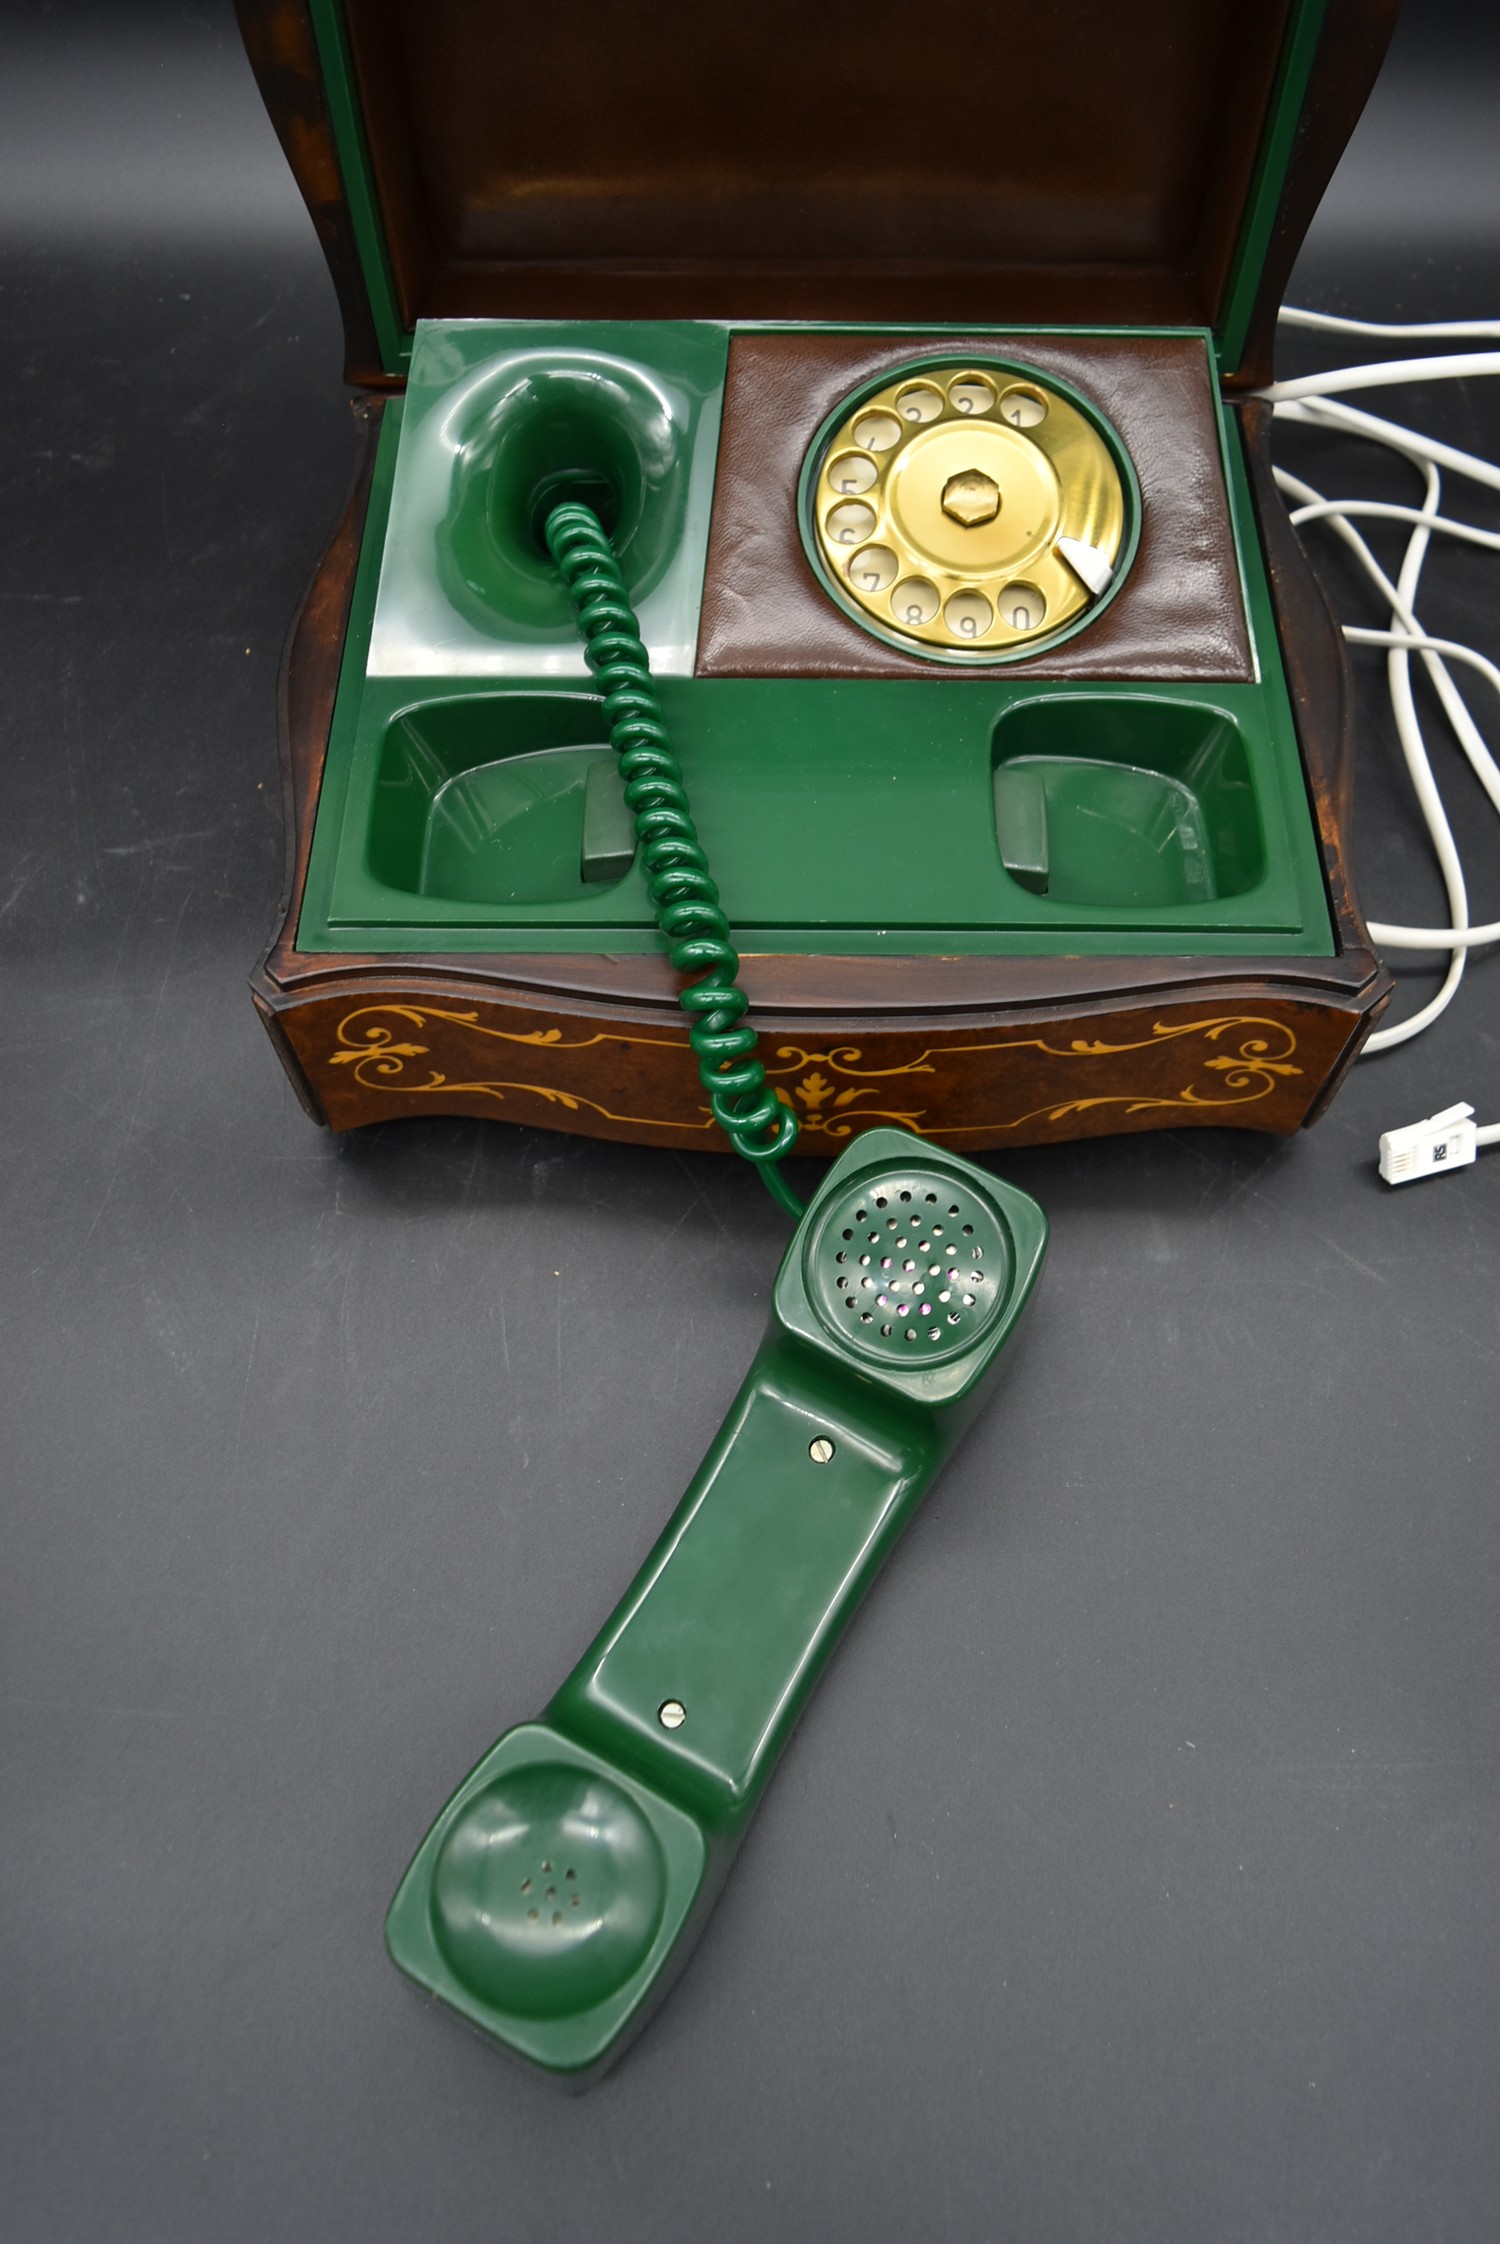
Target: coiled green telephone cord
(682,891)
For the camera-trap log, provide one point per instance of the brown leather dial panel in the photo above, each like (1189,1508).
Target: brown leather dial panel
(1179,615)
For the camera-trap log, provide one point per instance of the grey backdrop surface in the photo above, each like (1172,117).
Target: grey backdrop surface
(1134,1873)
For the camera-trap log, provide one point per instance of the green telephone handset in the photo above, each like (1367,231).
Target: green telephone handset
(564,1884)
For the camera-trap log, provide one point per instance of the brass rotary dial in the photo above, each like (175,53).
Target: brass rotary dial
(969,508)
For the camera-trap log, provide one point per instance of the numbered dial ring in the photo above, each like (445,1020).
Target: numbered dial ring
(969,509)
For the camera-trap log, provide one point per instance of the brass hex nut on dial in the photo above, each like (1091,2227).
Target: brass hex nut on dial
(971,497)
(991,509)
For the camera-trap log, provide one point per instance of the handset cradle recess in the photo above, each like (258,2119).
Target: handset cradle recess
(564,1884)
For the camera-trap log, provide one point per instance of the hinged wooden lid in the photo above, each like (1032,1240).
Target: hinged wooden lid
(1069,163)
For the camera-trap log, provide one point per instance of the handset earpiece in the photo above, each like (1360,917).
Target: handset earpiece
(562,1887)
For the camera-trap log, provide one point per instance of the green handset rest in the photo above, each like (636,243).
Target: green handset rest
(563,1885)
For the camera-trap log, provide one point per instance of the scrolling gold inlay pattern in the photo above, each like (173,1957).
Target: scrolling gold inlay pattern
(378,1062)
(825,1103)
(377,1037)
(1250,1073)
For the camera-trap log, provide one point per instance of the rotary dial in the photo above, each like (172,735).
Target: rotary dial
(969,509)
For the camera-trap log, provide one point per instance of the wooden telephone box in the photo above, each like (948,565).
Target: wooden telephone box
(908,360)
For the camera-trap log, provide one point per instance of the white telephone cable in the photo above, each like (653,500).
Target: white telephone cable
(1413,745)
(1454,367)
(1451,1138)
(1435,331)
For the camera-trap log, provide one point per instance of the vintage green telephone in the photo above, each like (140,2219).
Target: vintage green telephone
(565,1882)
(910,475)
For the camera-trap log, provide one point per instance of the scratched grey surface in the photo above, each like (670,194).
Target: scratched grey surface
(1134,1873)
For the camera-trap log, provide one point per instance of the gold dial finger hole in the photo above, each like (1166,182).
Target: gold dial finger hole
(852,471)
(873,568)
(877,432)
(1022,607)
(968,615)
(971,394)
(848,524)
(914,601)
(921,402)
(1023,408)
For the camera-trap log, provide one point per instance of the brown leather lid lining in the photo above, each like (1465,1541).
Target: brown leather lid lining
(829,156)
